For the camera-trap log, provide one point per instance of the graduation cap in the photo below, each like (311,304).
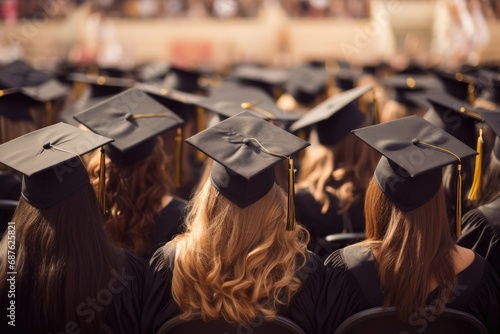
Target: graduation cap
(335,117)
(403,86)
(414,152)
(232,98)
(23,87)
(269,79)
(345,78)
(454,116)
(492,118)
(187,80)
(20,74)
(178,101)
(102,85)
(491,91)
(49,159)
(457,84)
(245,148)
(133,119)
(306,83)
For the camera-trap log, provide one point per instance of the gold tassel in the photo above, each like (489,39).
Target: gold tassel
(471,93)
(290,222)
(459,201)
(48,110)
(101,191)
(376,111)
(178,158)
(476,183)
(200,126)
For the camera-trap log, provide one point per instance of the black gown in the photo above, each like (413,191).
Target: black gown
(10,189)
(169,223)
(352,285)
(121,312)
(159,305)
(308,213)
(481,232)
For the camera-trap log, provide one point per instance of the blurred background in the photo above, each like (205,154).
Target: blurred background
(219,33)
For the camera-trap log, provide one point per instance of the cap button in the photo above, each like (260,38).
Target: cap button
(129,116)
(415,141)
(47,146)
(246,140)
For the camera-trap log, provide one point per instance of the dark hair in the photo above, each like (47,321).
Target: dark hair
(63,256)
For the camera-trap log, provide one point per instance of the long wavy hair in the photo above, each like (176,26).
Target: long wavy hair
(342,170)
(413,251)
(63,257)
(134,195)
(238,263)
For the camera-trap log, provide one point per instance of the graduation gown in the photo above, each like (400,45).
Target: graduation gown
(119,302)
(352,285)
(169,223)
(159,306)
(481,232)
(308,213)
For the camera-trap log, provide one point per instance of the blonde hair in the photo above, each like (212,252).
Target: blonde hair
(349,162)
(238,263)
(412,249)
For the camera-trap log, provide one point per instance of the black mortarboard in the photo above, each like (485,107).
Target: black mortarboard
(269,79)
(335,117)
(414,152)
(20,74)
(232,98)
(23,86)
(187,80)
(454,116)
(457,84)
(491,91)
(245,148)
(346,78)
(102,85)
(492,118)
(150,71)
(49,158)
(133,119)
(178,101)
(401,85)
(306,83)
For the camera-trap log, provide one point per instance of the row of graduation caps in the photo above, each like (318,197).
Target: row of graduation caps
(244,146)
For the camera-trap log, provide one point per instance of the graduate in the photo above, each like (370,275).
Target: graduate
(336,169)
(409,259)
(143,212)
(68,275)
(481,226)
(241,258)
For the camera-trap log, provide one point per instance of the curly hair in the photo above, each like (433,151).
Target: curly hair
(238,263)
(342,170)
(135,195)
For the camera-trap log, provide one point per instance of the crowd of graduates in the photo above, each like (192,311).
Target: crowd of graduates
(313,191)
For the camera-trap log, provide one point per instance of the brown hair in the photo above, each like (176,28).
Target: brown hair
(63,257)
(134,195)
(342,170)
(235,262)
(413,250)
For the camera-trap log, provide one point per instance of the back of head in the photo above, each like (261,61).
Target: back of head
(244,259)
(62,257)
(412,249)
